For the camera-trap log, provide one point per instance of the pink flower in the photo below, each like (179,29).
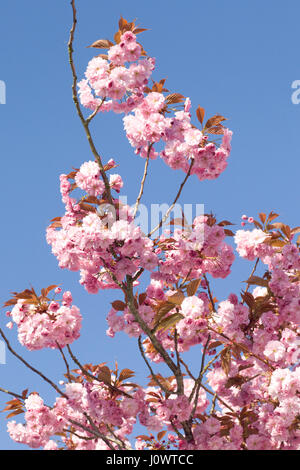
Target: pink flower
(275,351)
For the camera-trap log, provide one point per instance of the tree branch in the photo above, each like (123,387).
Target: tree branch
(31,367)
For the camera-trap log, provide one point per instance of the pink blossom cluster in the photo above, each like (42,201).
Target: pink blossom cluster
(126,322)
(112,84)
(195,251)
(48,324)
(250,244)
(249,372)
(103,247)
(41,424)
(183,143)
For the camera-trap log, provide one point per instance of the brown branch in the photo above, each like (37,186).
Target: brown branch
(251,274)
(157,345)
(243,348)
(93,377)
(65,361)
(11,393)
(174,202)
(188,370)
(91,116)
(217,397)
(210,293)
(31,367)
(85,122)
(143,181)
(150,368)
(197,386)
(94,430)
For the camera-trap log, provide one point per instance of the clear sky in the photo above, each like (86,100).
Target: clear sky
(237,58)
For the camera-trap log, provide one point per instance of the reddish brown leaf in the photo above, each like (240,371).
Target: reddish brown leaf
(200,112)
(102,44)
(174,98)
(118,305)
(214,121)
(125,374)
(192,287)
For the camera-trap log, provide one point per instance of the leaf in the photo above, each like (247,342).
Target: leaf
(272,216)
(277,243)
(216,130)
(226,360)
(145,438)
(257,224)
(125,374)
(14,413)
(249,299)
(102,44)
(246,366)
(174,98)
(287,231)
(117,37)
(50,288)
(118,305)
(224,222)
(258,281)
(236,381)
(122,23)
(192,287)
(110,166)
(177,298)
(164,308)
(262,217)
(91,200)
(200,112)
(160,435)
(139,30)
(228,232)
(214,344)
(167,322)
(142,298)
(104,374)
(214,121)
(87,207)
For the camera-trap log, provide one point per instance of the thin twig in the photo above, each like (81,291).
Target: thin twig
(91,116)
(210,293)
(251,274)
(243,348)
(85,122)
(217,397)
(196,388)
(142,182)
(13,394)
(174,202)
(94,430)
(31,367)
(188,370)
(150,368)
(65,361)
(102,381)
(128,290)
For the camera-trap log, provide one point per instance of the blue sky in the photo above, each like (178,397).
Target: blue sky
(235,58)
